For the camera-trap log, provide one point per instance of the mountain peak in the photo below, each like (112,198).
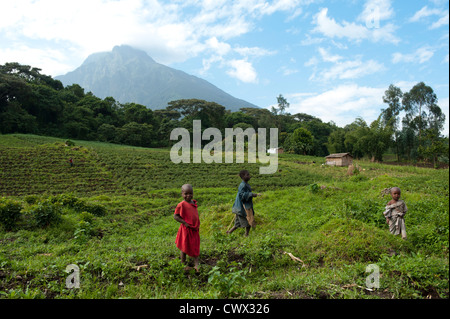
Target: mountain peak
(119,54)
(130,52)
(130,75)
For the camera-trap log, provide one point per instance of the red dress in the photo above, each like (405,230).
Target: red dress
(188,238)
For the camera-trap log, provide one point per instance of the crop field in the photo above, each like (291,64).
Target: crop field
(319,230)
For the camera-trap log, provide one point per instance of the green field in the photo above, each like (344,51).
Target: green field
(111,214)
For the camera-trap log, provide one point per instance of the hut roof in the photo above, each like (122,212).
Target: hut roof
(338,155)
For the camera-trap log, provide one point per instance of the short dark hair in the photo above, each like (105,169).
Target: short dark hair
(242,173)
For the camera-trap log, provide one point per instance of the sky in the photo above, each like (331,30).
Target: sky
(330,59)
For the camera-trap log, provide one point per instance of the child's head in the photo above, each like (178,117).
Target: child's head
(187,192)
(245,175)
(395,193)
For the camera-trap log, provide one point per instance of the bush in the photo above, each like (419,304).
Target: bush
(314,188)
(71,201)
(227,279)
(342,241)
(95,209)
(31,199)
(46,213)
(9,213)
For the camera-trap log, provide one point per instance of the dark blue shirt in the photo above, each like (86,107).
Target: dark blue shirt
(244,197)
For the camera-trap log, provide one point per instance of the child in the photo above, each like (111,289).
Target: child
(394,213)
(243,205)
(188,238)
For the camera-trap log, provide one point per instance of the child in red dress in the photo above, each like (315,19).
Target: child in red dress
(188,237)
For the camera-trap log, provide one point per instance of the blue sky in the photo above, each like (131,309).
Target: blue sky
(330,59)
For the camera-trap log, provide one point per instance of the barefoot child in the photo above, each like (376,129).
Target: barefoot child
(243,205)
(394,212)
(188,238)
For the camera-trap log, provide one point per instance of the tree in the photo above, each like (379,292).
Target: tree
(419,97)
(376,142)
(301,141)
(135,134)
(210,113)
(392,96)
(335,143)
(261,117)
(233,118)
(282,105)
(433,146)
(354,133)
(107,132)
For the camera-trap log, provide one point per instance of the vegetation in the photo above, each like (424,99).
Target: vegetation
(31,102)
(111,212)
(111,215)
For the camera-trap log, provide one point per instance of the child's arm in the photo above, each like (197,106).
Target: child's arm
(244,193)
(180,220)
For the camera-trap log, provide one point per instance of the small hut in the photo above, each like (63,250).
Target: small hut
(339,159)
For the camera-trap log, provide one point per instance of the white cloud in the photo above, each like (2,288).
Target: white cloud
(352,31)
(243,71)
(327,57)
(424,12)
(351,69)
(49,60)
(219,48)
(342,104)
(312,61)
(421,55)
(330,28)
(442,21)
(169,31)
(288,71)
(375,11)
(253,51)
(342,70)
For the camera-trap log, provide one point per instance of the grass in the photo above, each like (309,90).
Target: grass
(331,221)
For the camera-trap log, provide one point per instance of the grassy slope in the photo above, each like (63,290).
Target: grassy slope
(336,230)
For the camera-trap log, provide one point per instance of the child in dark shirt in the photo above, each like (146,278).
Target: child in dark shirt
(243,205)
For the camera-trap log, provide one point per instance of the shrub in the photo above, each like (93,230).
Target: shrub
(31,199)
(314,188)
(46,213)
(71,201)
(173,273)
(227,279)
(83,232)
(95,209)
(341,241)
(9,213)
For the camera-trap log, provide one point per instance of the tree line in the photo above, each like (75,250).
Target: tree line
(31,102)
